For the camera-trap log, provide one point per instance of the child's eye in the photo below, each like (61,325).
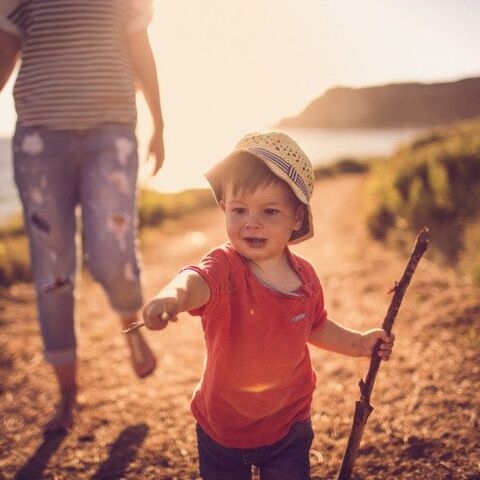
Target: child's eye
(271,211)
(239,210)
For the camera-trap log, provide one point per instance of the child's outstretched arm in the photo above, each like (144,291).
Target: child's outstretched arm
(337,338)
(188,290)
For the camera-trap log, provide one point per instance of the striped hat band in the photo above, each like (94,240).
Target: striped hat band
(284,166)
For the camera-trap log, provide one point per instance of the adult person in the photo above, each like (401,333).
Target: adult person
(74,144)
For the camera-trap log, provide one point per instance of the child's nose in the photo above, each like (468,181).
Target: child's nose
(252,221)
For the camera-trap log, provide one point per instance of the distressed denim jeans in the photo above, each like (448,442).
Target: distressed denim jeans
(55,171)
(287,459)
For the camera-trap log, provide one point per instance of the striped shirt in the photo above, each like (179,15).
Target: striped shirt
(75,71)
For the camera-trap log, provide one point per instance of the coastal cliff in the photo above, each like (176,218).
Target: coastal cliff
(399,105)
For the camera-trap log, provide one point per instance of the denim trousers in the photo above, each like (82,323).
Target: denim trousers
(56,171)
(287,459)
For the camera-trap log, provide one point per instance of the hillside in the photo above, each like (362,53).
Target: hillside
(392,106)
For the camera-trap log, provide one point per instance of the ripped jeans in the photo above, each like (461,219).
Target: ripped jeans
(55,171)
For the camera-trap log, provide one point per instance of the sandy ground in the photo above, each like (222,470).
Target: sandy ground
(426,417)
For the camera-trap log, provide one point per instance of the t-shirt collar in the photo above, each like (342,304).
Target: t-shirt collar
(307,286)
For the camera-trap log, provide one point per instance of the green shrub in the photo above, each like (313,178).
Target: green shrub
(14,261)
(470,256)
(13,227)
(14,252)
(155,207)
(343,165)
(434,181)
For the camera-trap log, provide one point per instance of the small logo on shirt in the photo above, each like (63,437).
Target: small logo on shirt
(298,317)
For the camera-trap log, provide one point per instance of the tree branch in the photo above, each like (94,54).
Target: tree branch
(363,409)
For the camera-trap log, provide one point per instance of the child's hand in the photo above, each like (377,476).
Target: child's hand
(370,338)
(159,311)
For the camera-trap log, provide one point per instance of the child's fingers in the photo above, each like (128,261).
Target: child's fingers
(162,319)
(385,349)
(155,318)
(168,317)
(388,337)
(384,354)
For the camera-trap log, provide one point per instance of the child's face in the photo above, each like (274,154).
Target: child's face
(259,224)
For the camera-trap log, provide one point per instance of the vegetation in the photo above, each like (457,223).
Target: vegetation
(155,207)
(14,253)
(434,181)
(343,165)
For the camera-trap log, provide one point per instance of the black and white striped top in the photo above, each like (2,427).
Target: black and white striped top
(75,71)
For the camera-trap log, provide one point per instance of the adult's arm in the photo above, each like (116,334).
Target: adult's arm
(9,54)
(145,69)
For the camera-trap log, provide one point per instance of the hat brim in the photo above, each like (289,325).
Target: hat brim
(217,172)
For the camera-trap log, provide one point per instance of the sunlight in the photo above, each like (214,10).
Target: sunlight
(259,388)
(196,238)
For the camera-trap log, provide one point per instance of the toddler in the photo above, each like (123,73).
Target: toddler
(260,304)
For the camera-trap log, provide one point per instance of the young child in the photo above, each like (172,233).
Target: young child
(260,304)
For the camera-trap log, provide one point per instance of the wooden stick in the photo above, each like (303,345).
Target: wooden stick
(136,325)
(363,409)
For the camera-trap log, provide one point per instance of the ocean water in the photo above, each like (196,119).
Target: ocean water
(321,145)
(326,145)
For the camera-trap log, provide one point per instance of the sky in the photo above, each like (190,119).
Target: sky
(229,67)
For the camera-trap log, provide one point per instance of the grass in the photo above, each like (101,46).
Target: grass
(433,181)
(14,261)
(14,252)
(156,207)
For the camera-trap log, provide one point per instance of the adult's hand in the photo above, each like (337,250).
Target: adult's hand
(146,73)
(156,149)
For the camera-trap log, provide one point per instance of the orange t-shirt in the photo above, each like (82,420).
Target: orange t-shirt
(258,378)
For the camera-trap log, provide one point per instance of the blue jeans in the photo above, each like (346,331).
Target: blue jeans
(287,459)
(54,172)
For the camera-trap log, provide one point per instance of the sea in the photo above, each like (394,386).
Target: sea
(323,146)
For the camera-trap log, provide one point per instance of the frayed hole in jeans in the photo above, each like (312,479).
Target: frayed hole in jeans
(58,285)
(40,223)
(117,223)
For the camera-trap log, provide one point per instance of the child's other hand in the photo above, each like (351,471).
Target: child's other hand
(370,338)
(159,311)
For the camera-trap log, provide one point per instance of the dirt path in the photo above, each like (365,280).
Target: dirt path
(427,400)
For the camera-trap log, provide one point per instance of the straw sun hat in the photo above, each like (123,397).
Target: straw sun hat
(286,160)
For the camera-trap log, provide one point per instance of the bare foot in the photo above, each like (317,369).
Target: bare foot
(62,417)
(143,360)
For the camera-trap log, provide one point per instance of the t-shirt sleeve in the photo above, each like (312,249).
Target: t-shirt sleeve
(141,15)
(215,270)
(12,16)
(320,310)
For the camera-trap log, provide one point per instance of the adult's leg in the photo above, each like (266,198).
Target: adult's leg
(46,184)
(109,167)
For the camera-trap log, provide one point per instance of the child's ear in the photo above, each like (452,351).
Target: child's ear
(299,216)
(222,205)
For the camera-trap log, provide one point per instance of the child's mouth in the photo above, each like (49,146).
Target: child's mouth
(255,242)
